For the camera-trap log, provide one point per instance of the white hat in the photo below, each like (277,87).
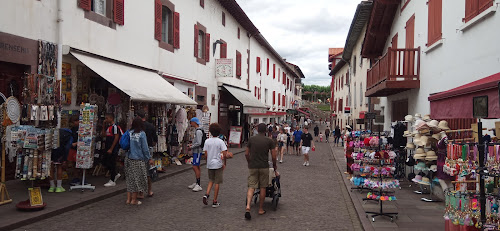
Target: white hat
(407,134)
(410,146)
(433,123)
(418,116)
(418,122)
(426,118)
(433,168)
(348,126)
(443,125)
(436,136)
(409,118)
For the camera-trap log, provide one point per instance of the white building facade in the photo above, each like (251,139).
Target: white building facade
(178,39)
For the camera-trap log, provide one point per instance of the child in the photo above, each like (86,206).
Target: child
(215,162)
(321,137)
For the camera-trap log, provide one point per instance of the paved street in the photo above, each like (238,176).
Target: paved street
(314,198)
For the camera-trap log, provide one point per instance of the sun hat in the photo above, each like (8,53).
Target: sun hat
(407,134)
(424,141)
(431,155)
(425,181)
(409,118)
(348,126)
(420,166)
(419,156)
(436,136)
(418,122)
(416,138)
(426,118)
(410,146)
(443,125)
(417,179)
(433,168)
(196,120)
(433,123)
(418,116)
(420,151)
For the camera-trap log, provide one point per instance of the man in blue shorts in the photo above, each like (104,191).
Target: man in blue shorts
(197,148)
(297,137)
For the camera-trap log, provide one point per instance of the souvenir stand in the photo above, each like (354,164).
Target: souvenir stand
(30,144)
(86,142)
(4,194)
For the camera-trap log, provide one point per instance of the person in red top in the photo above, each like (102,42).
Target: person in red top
(112,133)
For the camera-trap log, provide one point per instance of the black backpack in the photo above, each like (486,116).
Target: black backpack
(203,138)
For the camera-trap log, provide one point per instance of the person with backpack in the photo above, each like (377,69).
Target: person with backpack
(197,149)
(113,132)
(58,157)
(135,162)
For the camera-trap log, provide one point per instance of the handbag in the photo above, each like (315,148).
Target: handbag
(153,172)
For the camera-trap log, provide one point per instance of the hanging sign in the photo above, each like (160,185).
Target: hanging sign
(347,110)
(224,68)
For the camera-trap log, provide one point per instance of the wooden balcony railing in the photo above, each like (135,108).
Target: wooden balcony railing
(396,65)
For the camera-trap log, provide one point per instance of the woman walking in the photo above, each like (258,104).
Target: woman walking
(337,136)
(135,165)
(282,138)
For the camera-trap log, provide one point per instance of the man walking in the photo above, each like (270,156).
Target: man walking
(306,142)
(216,163)
(327,133)
(316,130)
(297,136)
(113,133)
(257,155)
(197,148)
(152,138)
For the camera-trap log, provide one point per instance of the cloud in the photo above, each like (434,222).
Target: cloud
(302,31)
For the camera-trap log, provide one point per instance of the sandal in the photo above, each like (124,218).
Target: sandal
(262,212)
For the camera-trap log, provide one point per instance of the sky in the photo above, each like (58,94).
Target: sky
(302,31)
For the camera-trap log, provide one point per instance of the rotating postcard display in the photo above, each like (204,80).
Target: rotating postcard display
(86,145)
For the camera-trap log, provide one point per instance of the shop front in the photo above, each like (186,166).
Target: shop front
(236,107)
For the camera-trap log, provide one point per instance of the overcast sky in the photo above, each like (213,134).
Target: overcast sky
(302,31)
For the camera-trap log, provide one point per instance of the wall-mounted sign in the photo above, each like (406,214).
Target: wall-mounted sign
(224,68)
(254,110)
(480,106)
(347,110)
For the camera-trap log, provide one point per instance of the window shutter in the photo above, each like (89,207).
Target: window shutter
(259,93)
(238,33)
(202,3)
(158,19)
(484,4)
(255,93)
(471,9)
(283,101)
(258,64)
(274,71)
(223,19)
(279,99)
(284,78)
(119,11)
(196,40)
(177,39)
(268,66)
(207,47)
(434,21)
(85,4)
(238,64)
(223,51)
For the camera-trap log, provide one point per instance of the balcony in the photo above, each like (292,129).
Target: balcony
(397,71)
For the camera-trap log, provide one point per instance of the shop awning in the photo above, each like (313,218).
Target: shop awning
(271,113)
(139,84)
(250,104)
(457,102)
(303,112)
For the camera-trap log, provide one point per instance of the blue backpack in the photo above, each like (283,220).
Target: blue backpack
(125,140)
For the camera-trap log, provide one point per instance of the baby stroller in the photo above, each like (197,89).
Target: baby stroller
(272,191)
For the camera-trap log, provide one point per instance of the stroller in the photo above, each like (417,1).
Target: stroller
(272,191)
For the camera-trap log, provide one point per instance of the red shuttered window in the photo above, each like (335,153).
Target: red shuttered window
(201,44)
(158,19)
(119,11)
(475,7)
(274,97)
(268,66)
(223,19)
(207,47)
(284,78)
(408,67)
(85,4)
(196,32)
(238,65)
(257,65)
(274,71)
(255,92)
(223,51)
(177,30)
(260,93)
(279,99)
(283,100)
(238,33)
(435,8)
(202,3)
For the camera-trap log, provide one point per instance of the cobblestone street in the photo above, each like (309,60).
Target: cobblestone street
(314,198)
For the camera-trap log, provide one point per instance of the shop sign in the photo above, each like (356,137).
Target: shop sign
(360,121)
(369,115)
(254,110)
(347,110)
(15,49)
(224,68)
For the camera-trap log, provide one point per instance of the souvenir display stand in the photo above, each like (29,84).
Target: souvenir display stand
(4,194)
(86,142)
(380,193)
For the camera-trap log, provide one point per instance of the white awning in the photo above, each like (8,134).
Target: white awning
(139,84)
(250,103)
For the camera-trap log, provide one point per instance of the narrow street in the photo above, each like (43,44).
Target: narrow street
(314,198)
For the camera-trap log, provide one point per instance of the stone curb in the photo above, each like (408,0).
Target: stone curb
(87,202)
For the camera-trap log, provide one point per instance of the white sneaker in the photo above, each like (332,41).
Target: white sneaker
(192,186)
(117,176)
(197,188)
(110,184)
(281,161)
(304,163)
(307,163)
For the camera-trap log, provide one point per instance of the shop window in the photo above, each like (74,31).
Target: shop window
(475,7)
(105,12)
(166,25)
(201,44)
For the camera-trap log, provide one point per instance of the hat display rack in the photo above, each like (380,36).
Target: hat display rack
(424,135)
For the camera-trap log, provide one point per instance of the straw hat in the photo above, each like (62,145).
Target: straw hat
(410,146)
(431,155)
(436,136)
(426,118)
(416,138)
(443,125)
(418,116)
(423,141)
(409,118)
(419,156)
(433,123)
(407,134)
(425,181)
(420,151)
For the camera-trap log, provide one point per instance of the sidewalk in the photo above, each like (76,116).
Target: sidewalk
(414,214)
(58,203)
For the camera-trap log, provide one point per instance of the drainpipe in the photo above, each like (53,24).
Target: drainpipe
(59,55)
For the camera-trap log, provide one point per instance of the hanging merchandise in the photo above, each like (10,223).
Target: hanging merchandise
(86,133)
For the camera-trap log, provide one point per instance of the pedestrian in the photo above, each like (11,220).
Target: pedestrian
(152,138)
(274,135)
(288,140)
(257,155)
(281,143)
(216,151)
(135,162)
(269,129)
(337,136)
(306,142)
(197,149)
(112,133)
(294,123)
(297,135)
(320,137)
(327,133)
(316,131)
(254,131)
(306,124)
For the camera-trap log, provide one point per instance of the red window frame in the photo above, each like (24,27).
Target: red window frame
(475,7)
(435,19)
